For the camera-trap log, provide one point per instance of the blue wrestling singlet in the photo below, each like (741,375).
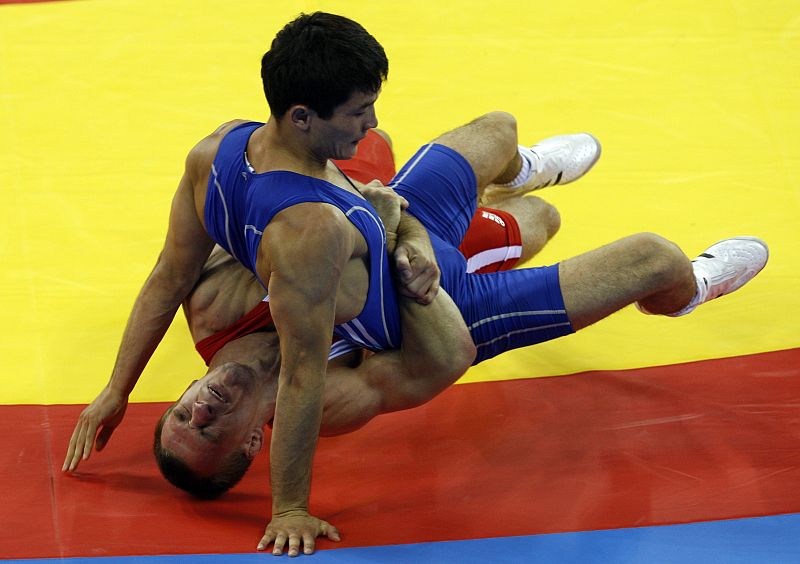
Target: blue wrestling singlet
(240,204)
(503,310)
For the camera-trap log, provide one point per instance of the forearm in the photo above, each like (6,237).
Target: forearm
(435,338)
(409,228)
(294,438)
(298,410)
(436,350)
(152,313)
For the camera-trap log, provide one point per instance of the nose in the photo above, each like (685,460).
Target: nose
(202,414)
(372,121)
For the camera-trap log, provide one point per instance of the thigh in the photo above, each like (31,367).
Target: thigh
(513,309)
(441,191)
(488,144)
(598,283)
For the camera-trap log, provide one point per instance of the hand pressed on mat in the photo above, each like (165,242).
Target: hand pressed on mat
(297,527)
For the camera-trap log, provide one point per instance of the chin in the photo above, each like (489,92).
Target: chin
(347,153)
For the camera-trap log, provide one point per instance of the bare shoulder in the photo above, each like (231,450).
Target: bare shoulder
(200,157)
(316,220)
(315,231)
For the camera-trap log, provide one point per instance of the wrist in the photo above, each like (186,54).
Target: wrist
(288,511)
(117,390)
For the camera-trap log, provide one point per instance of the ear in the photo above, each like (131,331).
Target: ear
(255,440)
(301,116)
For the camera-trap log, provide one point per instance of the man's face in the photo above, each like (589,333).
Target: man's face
(340,134)
(215,416)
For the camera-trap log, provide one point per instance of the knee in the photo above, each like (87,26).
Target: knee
(663,262)
(505,125)
(502,119)
(538,220)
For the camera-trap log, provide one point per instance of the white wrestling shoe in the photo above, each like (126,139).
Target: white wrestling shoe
(723,268)
(728,265)
(563,159)
(556,160)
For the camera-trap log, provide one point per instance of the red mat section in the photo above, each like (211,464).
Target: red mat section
(699,441)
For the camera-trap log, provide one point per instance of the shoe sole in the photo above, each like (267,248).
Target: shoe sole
(758,240)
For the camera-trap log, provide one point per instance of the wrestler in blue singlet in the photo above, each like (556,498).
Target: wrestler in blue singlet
(240,203)
(503,310)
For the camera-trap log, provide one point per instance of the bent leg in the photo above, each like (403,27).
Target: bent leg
(538,222)
(519,308)
(500,237)
(489,144)
(644,268)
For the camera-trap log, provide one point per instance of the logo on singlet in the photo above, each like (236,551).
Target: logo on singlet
(496,218)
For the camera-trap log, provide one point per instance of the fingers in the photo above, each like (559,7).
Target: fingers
(428,297)
(70,450)
(423,284)
(330,531)
(294,544)
(292,533)
(280,540)
(268,537)
(293,548)
(402,264)
(309,542)
(88,441)
(80,445)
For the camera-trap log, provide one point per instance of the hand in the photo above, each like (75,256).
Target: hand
(295,527)
(387,203)
(105,412)
(417,270)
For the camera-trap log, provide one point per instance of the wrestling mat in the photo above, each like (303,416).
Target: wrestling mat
(640,439)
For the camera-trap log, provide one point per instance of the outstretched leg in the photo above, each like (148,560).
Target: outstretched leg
(641,268)
(519,308)
(654,273)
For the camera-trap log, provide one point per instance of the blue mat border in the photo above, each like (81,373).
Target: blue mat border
(756,540)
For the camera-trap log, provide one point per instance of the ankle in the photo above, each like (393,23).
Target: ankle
(527,169)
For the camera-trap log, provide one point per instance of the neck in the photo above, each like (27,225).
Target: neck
(281,146)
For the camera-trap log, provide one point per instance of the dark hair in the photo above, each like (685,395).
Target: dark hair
(319,60)
(181,475)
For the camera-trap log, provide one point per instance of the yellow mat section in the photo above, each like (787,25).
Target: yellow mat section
(695,103)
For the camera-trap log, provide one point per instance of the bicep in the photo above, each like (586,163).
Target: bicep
(187,244)
(303,255)
(304,250)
